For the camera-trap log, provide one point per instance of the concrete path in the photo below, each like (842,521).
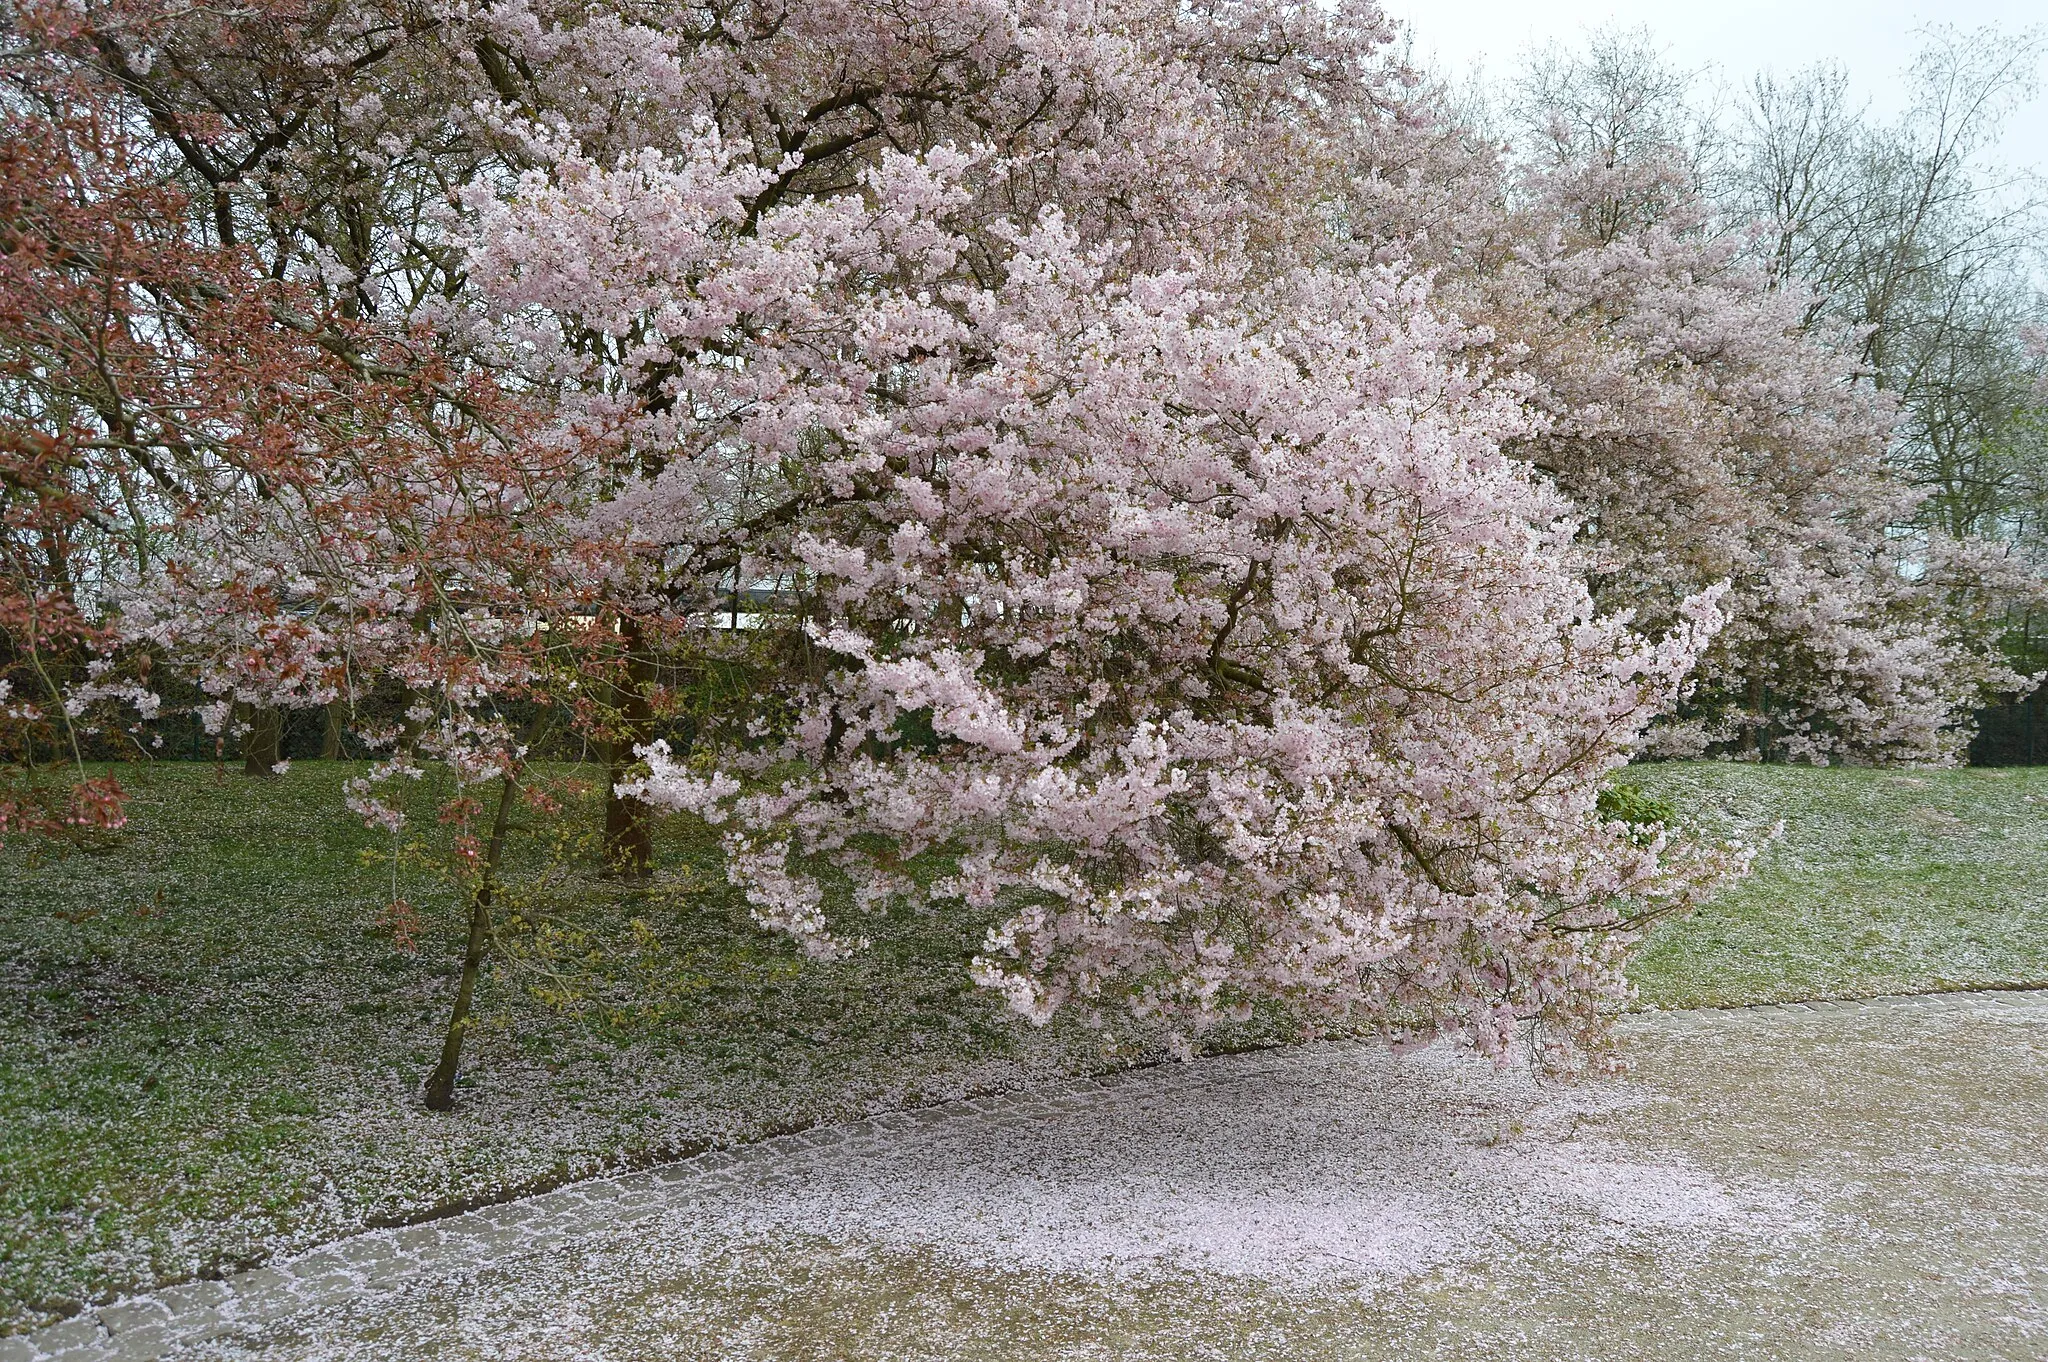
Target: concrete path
(1855,1180)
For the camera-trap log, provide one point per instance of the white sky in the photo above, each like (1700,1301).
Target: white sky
(1873,39)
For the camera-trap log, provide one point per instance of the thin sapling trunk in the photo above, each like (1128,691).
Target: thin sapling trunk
(441,1083)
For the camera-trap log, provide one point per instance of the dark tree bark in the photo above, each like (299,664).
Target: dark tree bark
(330,740)
(629,823)
(261,744)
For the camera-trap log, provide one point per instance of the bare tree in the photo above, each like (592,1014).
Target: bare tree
(1929,253)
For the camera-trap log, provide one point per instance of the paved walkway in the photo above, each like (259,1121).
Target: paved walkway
(1852,1180)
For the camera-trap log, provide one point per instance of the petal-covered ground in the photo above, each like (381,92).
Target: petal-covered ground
(1843,1180)
(211,1043)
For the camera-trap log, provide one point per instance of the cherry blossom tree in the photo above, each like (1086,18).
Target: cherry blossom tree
(1710,434)
(1172,129)
(1179,594)
(1706,425)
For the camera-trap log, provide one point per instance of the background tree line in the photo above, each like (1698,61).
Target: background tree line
(1907,235)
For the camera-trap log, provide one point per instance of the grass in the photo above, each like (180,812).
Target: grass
(1884,882)
(211,1040)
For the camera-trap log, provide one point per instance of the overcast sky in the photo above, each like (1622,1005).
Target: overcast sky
(1873,39)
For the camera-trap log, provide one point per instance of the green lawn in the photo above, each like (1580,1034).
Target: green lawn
(1884,882)
(210,1047)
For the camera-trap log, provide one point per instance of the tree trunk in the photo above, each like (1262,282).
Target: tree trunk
(330,741)
(441,1083)
(1758,703)
(629,823)
(261,744)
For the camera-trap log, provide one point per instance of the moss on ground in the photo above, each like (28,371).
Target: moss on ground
(211,1039)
